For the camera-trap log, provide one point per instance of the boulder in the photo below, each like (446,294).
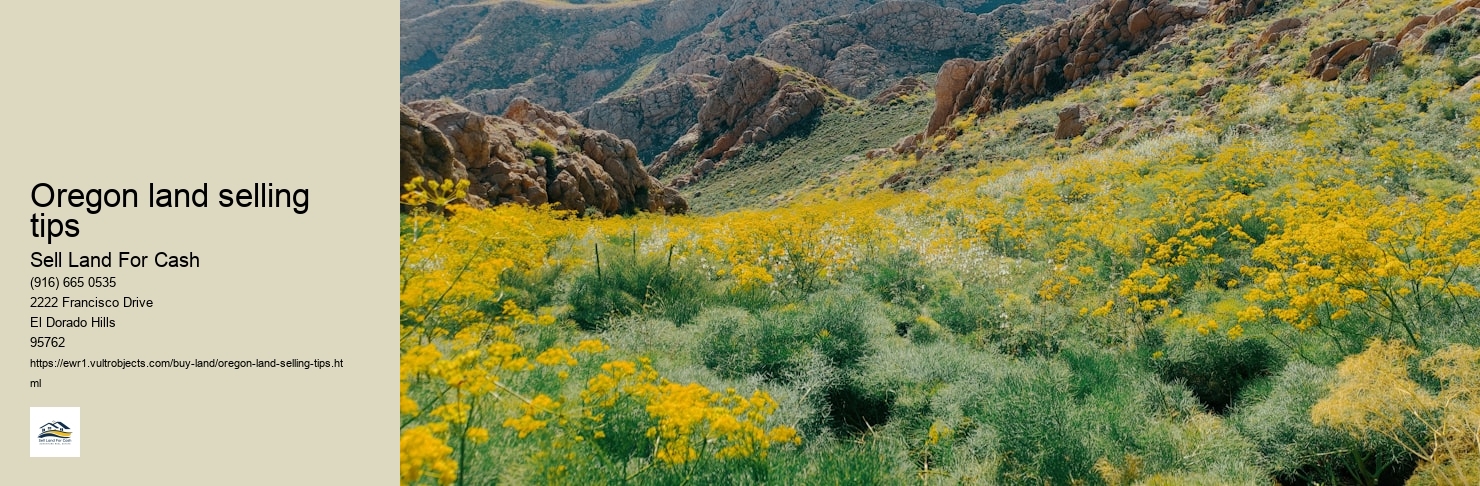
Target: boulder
(1071,122)
(1327,61)
(1349,52)
(1379,56)
(1276,30)
(1139,21)
(1416,22)
(949,84)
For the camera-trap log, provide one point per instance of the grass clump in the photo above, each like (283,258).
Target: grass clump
(624,285)
(1215,367)
(839,325)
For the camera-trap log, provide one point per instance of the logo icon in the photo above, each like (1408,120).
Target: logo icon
(56,432)
(55,429)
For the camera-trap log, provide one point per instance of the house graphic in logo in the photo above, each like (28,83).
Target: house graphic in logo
(55,429)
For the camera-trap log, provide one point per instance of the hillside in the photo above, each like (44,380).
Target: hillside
(1153,242)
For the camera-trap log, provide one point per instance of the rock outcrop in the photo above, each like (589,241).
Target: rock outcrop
(1277,30)
(861,53)
(651,118)
(1071,122)
(1412,34)
(1379,56)
(530,155)
(743,27)
(909,86)
(756,100)
(1066,54)
(1228,11)
(1327,61)
(949,84)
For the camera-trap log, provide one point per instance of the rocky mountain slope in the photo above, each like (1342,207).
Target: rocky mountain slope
(642,69)
(483,55)
(863,52)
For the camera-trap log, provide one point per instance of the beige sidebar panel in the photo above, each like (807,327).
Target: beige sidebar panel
(199,242)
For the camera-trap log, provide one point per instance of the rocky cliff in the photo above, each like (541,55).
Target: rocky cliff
(652,118)
(530,155)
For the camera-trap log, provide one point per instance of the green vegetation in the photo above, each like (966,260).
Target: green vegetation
(541,148)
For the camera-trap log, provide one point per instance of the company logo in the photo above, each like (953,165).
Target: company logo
(57,430)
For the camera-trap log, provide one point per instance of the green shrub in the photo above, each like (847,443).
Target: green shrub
(842,323)
(925,331)
(1438,38)
(1020,413)
(639,335)
(541,148)
(898,278)
(1295,450)
(966,310)
(734,343)
(1032,410)
(1027,339)
(803,395)
(856,409)
(753,297)
(624,284)
(811,349)
(1215,367)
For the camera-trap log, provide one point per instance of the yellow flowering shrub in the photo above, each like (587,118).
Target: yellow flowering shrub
(1376,394)
(1348,254)
(686,420)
